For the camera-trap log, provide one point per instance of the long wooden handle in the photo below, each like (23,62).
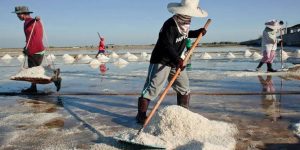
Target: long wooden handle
(99,35)
(174,77)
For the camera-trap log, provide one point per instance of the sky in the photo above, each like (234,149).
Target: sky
(76,22)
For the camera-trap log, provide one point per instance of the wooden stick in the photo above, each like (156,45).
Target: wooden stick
(281,51)
(174,78)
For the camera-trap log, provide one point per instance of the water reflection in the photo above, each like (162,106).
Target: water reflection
(269,102)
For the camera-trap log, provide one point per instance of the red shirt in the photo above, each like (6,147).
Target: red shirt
(35,44)
(101,45)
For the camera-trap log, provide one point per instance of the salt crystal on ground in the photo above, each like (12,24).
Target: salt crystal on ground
(132,58)
(178,128)
(247,53)
(34,72)
(6,56)
(205,56)
(230,55)
(114,55)
(103,58)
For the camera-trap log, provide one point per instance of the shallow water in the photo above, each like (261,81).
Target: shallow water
(93,106)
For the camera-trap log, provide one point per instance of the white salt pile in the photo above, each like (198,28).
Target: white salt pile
(21,58)
(6,57)
(296,128)
(144,55)
(297,53)
(31,73)
(85,59)
(148,57)
(256,56)
(285,55)
(114,55)
(230,55)
(78,57)
(51,57)
(205,56)
(126,55)
(121,63)
(132,58)
(95,63)
(68,59)
(178,128)
(103,58)
(247,53)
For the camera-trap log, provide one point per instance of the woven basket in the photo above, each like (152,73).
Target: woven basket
(33,80)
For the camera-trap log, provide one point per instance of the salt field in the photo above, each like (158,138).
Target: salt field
(98,101)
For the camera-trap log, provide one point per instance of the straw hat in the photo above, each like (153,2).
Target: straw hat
(21,10)
(187,7)
(274,24)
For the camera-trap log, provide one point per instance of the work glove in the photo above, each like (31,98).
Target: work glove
(203,31)
(25,51)
(180,64)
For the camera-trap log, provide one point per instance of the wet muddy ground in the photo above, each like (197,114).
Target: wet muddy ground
(93,106)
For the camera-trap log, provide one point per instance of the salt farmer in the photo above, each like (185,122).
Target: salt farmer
(269,44)
(34,48)
(165,58)
(101,48)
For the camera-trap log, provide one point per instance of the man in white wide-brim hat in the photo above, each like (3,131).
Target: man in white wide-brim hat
(269,44)
(165,58)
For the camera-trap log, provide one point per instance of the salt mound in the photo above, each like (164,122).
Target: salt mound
(256,56)
(78,57)
(95,63)
(178,128)
(68,59)
(114,55)
(148,58)
(103,58)
(6,56)
(126,55)
(205,56)
(296,128)
(247,53)
(85,59)
(285,55)
(230,55)
(21,57)
(132,58)
(66,56)
(121,63)
(34,72)
(51,57)
(144,54)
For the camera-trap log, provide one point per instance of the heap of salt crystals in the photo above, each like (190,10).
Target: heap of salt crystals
(132,57)
(51,57)
(68,59)
(21,58)
(247,53)
(144,55)
(205,56)
(148,57)
(126,55)
(6,57)
(37,72)
(256,56)
(103,58)
(85,59)
(175,127)
(120,63)
(95,63)
(78,57)
(297,53)
(285,55)
(230,55)
(114,55)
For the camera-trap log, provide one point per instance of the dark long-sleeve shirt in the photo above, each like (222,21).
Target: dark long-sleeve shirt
(170,44)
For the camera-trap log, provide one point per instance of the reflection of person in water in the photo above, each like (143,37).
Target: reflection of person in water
(103,69)
(269,102)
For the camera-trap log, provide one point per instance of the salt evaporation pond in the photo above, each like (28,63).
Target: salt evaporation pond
(93,106)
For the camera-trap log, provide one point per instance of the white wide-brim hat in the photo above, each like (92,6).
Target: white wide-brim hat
(187,7)
(273,24)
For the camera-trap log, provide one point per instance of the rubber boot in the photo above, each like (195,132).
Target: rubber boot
(142,110)
(270,69)
(259,65)
(183,100)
